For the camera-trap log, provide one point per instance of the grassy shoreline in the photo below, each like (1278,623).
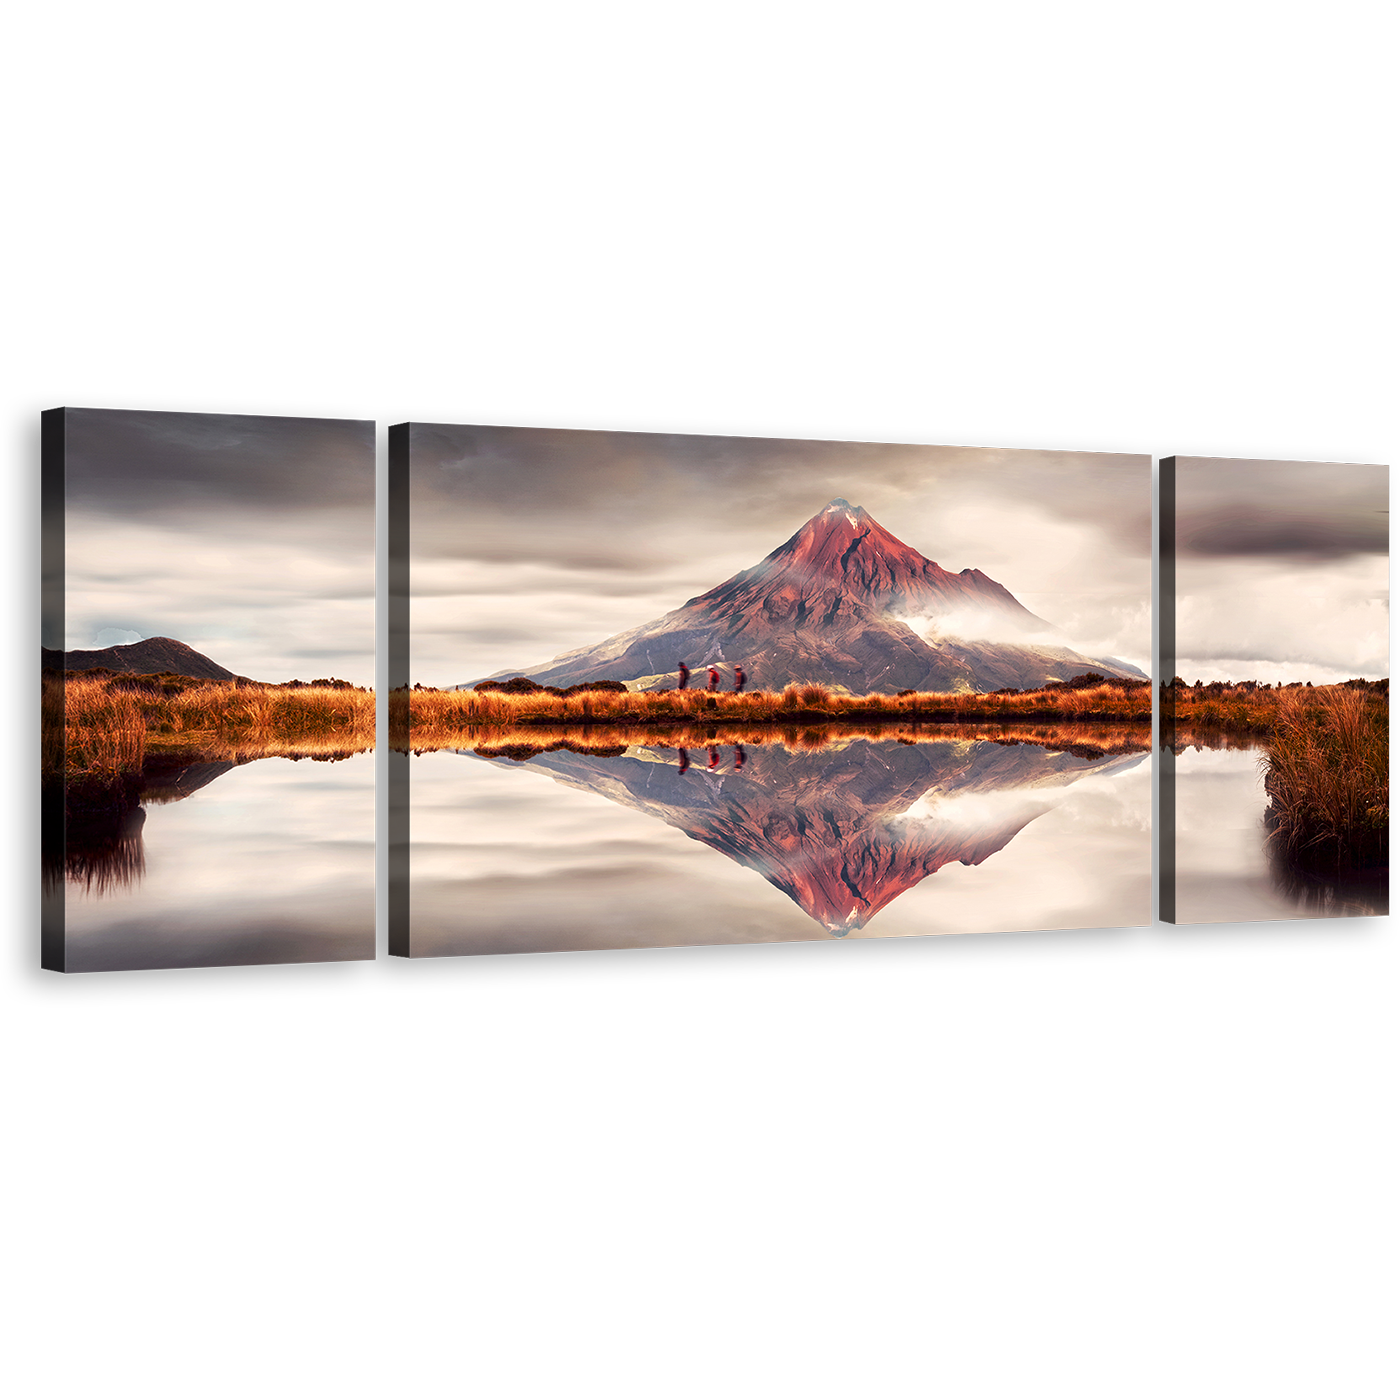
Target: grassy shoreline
(1327,775)
(424,716)
(103,726)
(1325,764)
(1247,708)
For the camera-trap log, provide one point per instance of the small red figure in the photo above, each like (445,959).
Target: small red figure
(738,757)
(685,676)
(740,676)
(714,758)
(714,679)
(685,761)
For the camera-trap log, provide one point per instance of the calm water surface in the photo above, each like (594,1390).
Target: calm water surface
(867,838)
(266,862)
(1223,871)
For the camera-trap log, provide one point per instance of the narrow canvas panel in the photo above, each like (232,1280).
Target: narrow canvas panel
(208,675)
(660,690)
(1275,635)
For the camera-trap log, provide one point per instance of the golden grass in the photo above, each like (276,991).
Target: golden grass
(52,737)
(110,723)
(1246,707)
(1326,771)
(434,715)
(103,730)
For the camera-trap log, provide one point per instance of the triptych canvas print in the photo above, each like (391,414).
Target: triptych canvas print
(653,690)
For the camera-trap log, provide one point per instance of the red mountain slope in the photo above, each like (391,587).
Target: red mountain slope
(843,560)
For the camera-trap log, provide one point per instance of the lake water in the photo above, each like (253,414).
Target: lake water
(1223,871)
(863,839)
(265,862)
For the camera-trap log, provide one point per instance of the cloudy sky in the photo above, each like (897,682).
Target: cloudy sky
(250,539)
(530,542)
(1282,570)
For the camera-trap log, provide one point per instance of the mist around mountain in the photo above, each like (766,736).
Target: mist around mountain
(846,829)
(845,604)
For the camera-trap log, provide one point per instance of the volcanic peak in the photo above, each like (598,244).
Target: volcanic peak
(843,559)
(842,603)
(841,506)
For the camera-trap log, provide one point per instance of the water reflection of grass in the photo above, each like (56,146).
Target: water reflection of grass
(1091,740)
(106,725)
(92,822)
(92,834)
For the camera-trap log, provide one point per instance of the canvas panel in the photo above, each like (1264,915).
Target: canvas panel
(1275,700)
(658,689)
(208,689)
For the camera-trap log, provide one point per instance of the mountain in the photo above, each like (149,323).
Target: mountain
(844,830)
(145,658)
(845,604)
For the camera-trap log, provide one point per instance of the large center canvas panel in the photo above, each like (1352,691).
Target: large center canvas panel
(658,689)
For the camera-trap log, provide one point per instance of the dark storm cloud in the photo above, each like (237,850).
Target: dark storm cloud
(1262,531)
(250,539)
(1307,511)
(177,465)
(1281,570)
(560,544)
(538,494)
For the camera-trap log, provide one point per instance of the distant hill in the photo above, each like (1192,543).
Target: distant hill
(846,604)
(146,658)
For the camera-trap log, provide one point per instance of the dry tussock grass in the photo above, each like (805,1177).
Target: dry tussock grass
(433,715)
(1326,771)
(1246,707)
(105,725)
(93,728)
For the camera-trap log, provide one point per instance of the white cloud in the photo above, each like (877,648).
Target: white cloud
(114,637)
(1282,619)
(269,604)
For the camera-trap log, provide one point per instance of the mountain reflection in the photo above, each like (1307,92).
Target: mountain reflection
(842,825)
